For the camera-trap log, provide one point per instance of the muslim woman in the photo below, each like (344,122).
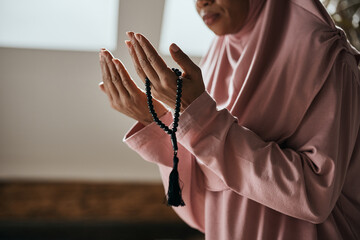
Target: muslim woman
(263,142)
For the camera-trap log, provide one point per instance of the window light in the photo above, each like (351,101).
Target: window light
(182,25)
(52,24)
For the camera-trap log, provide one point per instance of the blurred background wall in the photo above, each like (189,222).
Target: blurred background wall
(55,122)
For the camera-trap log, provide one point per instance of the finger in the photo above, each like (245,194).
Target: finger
(135,61)
(126,80)
(101,85)
(102,88)
(152,56)
(189,67)
(115,76)
(142,60)
(106,76)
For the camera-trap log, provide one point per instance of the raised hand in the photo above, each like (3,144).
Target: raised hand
(124,96)
(149,64)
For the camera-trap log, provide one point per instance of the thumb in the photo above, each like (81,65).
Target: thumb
(188,66)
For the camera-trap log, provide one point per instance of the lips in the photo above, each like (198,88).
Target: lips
(210,18)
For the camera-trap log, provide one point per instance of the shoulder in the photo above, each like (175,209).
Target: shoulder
(346,65)
(313,39)
(314,10)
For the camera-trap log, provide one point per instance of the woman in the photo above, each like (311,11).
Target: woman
(269,142)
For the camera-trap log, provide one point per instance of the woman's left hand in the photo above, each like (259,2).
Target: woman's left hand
(149,64)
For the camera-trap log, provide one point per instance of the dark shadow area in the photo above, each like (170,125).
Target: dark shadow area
(91,230)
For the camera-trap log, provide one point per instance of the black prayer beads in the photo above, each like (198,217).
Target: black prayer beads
(174,197)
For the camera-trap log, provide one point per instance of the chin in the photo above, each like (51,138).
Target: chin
(219,32)
(221,28)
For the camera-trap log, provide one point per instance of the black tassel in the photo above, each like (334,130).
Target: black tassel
(174,191)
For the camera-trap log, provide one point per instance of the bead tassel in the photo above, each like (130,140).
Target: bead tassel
(174,197)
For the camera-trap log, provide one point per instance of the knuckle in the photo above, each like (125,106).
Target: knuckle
(135,45)
(107,78)
(125,83)
(143,62)
(115,80)
(125,102)
(138,70)
(166,84)
(117,102)
(151,59)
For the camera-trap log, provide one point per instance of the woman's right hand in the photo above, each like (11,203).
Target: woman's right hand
(123,94)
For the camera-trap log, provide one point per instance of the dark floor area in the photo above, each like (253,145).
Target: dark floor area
(37,230)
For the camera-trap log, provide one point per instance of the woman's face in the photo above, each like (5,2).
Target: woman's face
(223,16)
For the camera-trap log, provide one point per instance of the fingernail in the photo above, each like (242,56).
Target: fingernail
(174,47)
(101,83)
(138,36)
(130,34)
(128,43)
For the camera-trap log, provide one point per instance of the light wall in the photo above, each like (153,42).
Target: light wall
(55,123)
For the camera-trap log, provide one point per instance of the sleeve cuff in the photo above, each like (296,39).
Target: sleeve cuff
(195,117)
(139,134)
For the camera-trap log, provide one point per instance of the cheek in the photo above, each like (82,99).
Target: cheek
(237,15)
(236,22)
(234,13)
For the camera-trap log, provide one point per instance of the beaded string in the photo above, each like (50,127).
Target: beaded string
(174,197)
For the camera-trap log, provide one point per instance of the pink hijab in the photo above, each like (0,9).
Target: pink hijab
(269,72)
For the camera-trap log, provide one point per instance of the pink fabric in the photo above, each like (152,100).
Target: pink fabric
(272,149)
(255,7)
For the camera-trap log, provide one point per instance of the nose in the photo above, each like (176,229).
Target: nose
(203,3)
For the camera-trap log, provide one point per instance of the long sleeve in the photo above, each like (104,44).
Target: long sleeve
(303,176)
(154,145)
